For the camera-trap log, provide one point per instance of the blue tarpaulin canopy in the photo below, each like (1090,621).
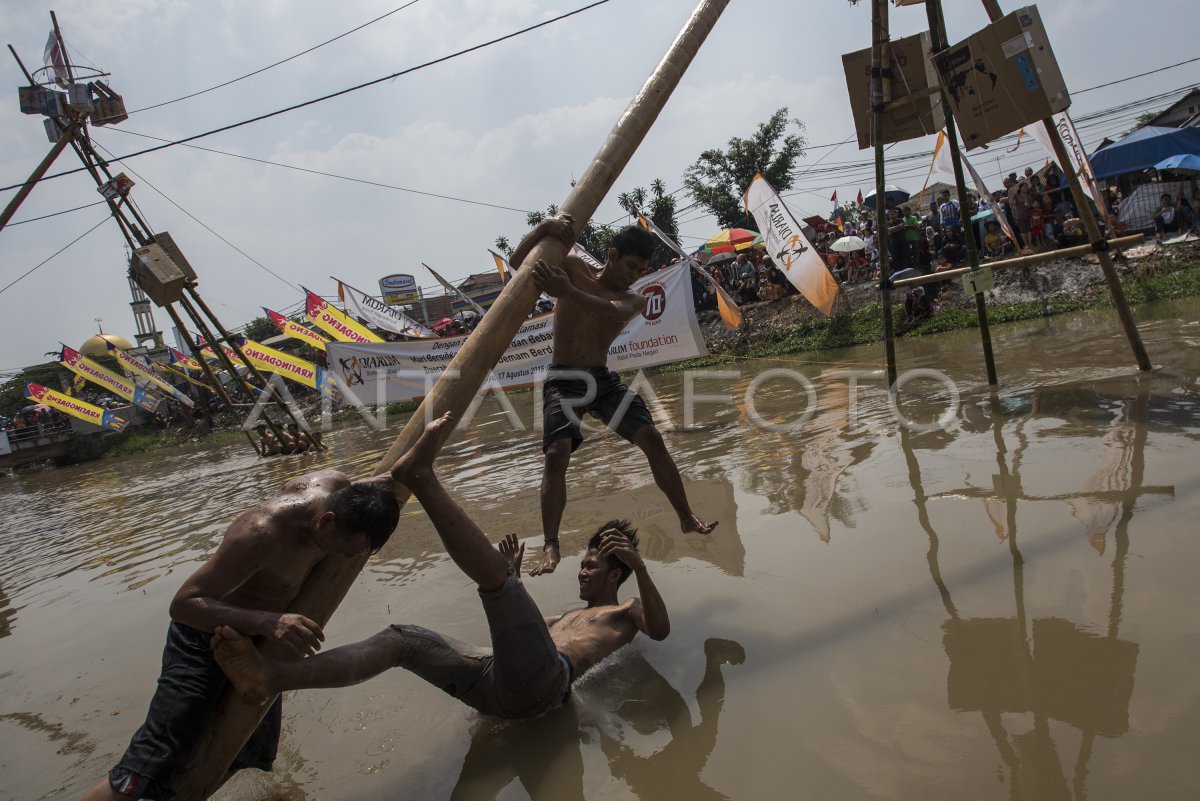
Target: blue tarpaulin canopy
(1144,148)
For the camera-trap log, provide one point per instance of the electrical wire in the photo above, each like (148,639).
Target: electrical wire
(198,221)
(333,95)
(55,214)
(277,63)
(330,174)
(55,253)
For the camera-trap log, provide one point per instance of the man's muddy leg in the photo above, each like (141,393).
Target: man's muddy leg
(467,545)
(666,476)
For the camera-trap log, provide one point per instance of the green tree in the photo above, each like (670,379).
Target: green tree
(261,328)
(660,208)
(718,179)
(12,392)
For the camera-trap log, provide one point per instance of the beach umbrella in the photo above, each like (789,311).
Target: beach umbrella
(713,259)
(848,244)
(892,195)
(908,272)
(36,407)
(1185,162)
(730,240)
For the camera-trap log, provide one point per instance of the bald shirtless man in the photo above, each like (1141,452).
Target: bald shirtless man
(248,584)
(533,660)
(592,309)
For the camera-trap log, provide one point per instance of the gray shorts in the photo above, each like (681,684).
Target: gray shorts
(521,676)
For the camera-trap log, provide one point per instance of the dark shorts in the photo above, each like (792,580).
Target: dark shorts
(571,392)
(522,675)
(187,694)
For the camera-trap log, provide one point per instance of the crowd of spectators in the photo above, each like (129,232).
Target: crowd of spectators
(33,423)
(749,277)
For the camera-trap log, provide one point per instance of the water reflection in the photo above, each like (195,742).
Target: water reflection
(651,706)
(1054,669)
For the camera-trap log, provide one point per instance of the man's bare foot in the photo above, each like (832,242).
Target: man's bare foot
(417,462)
(694,523)
(243,664)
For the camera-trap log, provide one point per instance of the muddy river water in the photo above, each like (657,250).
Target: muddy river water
(997,601)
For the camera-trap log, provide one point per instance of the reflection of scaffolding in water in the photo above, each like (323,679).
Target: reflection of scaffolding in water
(1058,671)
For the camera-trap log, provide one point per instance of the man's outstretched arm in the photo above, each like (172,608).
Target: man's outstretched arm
(650,613)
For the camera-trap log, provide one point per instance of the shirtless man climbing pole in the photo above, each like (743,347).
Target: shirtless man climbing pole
(248,584)
(592,309)
(533,660)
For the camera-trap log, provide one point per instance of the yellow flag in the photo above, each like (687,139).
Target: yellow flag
(337,324)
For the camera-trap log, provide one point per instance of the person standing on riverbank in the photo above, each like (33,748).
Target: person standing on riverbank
(248,583)
(591,309)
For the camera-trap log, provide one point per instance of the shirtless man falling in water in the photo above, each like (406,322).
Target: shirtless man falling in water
(533,660)
(592,309)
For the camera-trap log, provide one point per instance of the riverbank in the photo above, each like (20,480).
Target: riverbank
(791,325)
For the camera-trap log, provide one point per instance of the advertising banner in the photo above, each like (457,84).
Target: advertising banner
(666,331)
(144,370)
(76,408)
(294,330)
(337,324)
(399,288)
(789,248)
(81,365)
(380,315)
(291,367)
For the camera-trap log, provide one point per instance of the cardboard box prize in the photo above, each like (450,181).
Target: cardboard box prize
(1002,78)
(911,72)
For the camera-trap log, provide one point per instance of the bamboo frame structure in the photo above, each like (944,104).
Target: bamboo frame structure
(234,720)
(1089,225)
(881,96)
(1022,261)
(937,37)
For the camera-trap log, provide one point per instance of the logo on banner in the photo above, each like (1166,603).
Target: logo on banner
(795,248)
(351,371)
(656,301)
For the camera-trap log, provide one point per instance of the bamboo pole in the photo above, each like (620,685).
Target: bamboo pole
(1090,226)
(881,95)
(1021,261)
(937,34)
(234,720)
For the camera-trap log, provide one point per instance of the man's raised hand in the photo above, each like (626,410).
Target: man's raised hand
(554,281)
(513,551)
(614,543)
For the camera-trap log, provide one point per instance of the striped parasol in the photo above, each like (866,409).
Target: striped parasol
(731,240)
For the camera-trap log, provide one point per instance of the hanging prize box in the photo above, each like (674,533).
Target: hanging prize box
(158,276)
(54,131)
(79,97)
(30,98)
(1002,78)
(172,250)
(912,76)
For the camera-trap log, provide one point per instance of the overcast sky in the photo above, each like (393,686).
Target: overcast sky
(510,125)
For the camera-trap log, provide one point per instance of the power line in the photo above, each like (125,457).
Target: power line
(198,221)
(338,93)
(55,214)
(330,174)
(277,63)
(55,253)
(1140,75)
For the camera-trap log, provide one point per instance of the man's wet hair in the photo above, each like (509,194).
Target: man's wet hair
(634,240)
(366,507)
(614,563)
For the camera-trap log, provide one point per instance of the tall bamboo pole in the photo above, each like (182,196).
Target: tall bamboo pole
(1091,226)
(323,591)
(68,134)
(937,36)
(881,95)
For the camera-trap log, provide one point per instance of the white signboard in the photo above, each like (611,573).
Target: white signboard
(5,448)
(387,372)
